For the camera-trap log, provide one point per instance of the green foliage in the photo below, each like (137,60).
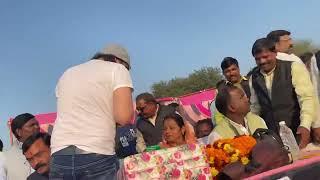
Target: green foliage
(303,46)
(205,78)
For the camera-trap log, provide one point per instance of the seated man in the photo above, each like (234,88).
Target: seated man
(150,120)
(233,103)
(37,151)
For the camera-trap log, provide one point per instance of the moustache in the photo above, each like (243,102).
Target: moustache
(39,166)
(262,64)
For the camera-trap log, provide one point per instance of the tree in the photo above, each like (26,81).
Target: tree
(302,46)
(205,78)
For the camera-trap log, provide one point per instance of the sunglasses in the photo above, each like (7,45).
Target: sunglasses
(141,109)
(261,133)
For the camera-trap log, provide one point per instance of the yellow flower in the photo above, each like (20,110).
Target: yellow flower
(219,145)
(211,160)
(234,158)
(244,160)
(236,152)
(214,171)
(228,148)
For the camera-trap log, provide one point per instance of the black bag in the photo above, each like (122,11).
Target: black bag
(125,141)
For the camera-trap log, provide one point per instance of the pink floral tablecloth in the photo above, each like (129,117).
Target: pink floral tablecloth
(183,162)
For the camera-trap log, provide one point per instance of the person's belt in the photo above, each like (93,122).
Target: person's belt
(71,150)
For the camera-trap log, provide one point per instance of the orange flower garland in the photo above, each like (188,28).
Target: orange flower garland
(226,151)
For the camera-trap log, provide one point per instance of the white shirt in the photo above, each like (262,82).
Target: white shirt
(214,136)
(85,106)
(244,129)
(16,166)
(3,175)
(288,57)
(203,140)
(153,118)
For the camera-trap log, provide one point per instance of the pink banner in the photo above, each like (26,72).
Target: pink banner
(198,98)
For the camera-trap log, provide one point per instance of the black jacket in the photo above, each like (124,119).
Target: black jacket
(37,176)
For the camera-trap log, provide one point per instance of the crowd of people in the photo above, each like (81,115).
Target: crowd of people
(94,99)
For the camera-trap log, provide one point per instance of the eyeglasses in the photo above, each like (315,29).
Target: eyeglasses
(260,133)
(140,109)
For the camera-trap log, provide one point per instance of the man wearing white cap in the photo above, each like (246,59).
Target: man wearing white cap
(91,99)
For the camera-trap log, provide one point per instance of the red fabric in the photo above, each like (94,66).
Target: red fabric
(46,118)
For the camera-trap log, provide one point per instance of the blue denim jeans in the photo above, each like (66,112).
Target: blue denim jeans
(83,167)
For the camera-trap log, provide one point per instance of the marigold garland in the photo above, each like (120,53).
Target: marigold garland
(226,151)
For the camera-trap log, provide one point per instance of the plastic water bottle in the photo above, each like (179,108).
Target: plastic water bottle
(288,140)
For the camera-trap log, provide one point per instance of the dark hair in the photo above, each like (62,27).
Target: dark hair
(317,55)
(147,97)
(30,140)
(262,44)
(105,57)
(1,145)
(222,83)
(174,105)
(223,98)
(227,62)
(176,117)
(207,121)
(19,121)
(109,58)
(306,57)
(274,36)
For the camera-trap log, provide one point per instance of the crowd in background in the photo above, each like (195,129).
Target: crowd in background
(94,99)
